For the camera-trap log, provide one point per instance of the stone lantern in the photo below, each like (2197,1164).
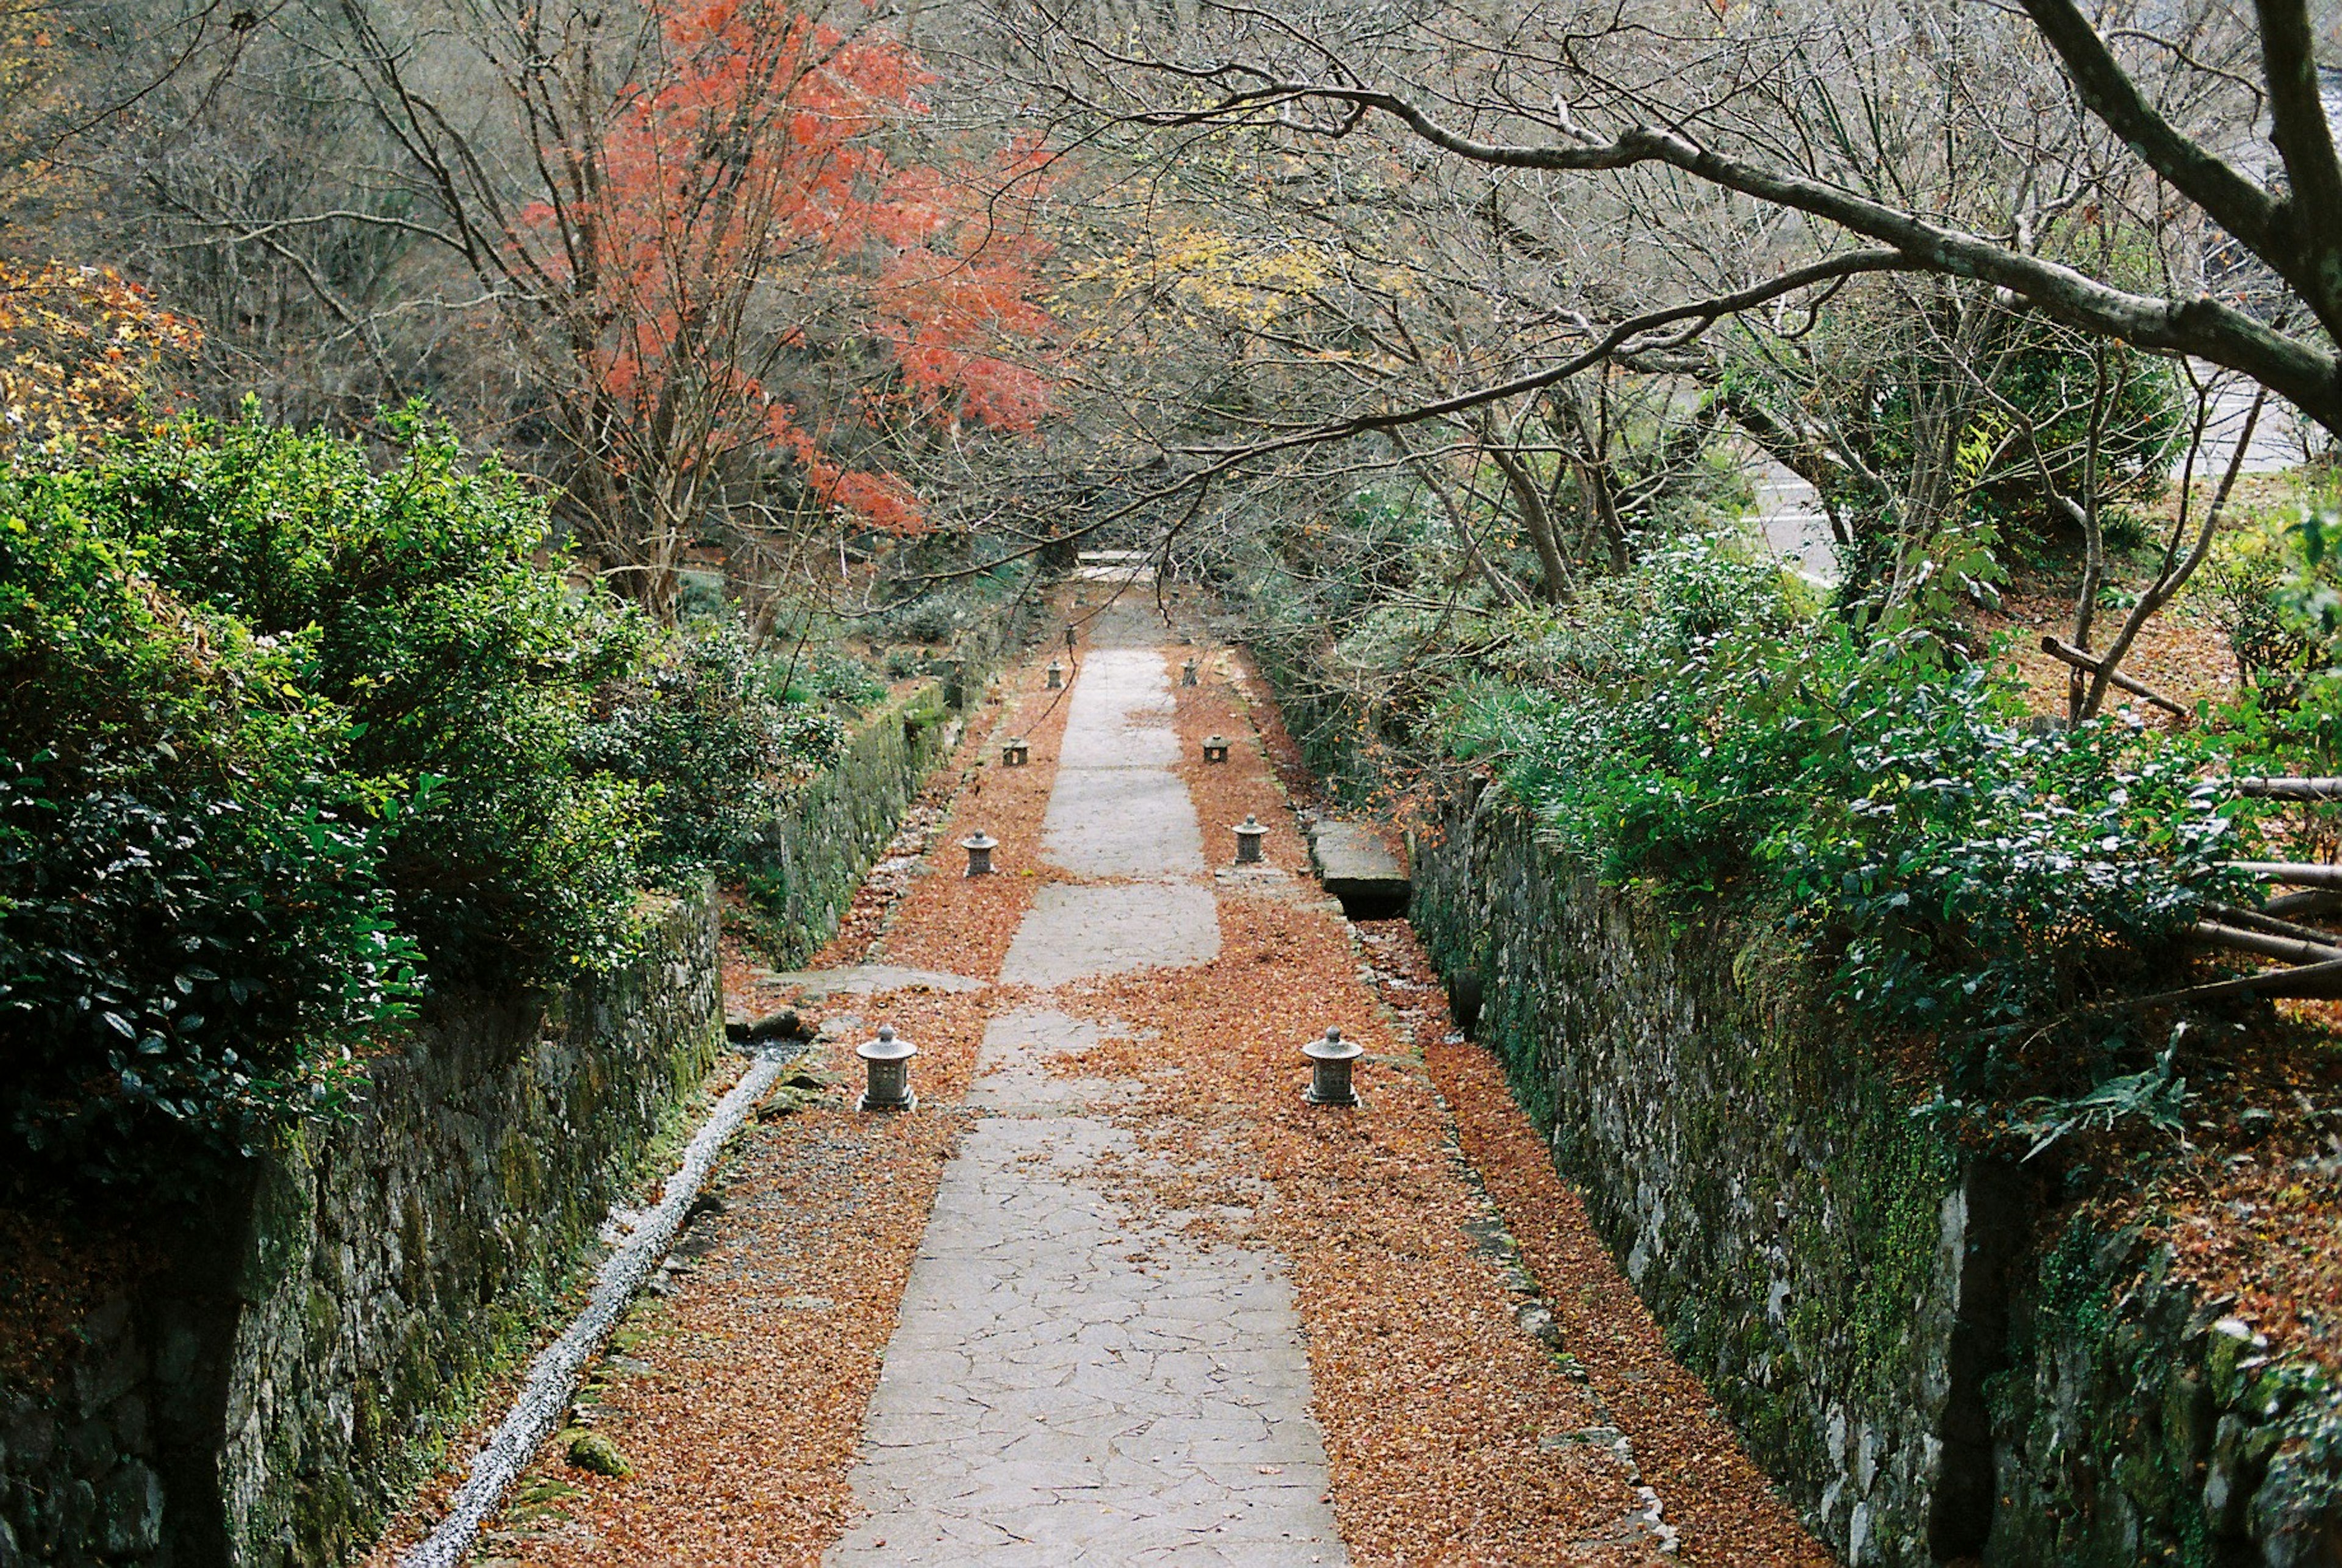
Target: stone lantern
(1057,676)
(888,1060)
(1215,748)
(1015,753)
(980,847)
(1249,833)
(1187,674)
(1330,1070)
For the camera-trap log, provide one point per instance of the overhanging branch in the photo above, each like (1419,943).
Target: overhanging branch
(2306,374)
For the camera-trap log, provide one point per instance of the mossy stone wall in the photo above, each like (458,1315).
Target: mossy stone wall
(2134,1422)
(1935,1362)
(818,851)
(309,1341)
(393,1263)
(1801,1239)
(1336,738)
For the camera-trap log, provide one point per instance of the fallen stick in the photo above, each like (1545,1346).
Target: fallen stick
(2267,921)
(2316,901)
(2092,664)
(2293,873)
(2290,788)
(2291,949)
(2307,980)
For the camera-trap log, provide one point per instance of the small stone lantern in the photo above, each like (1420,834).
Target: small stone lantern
(1057,676)
(1215,748)
(1330,1070)
(1015,753)
(888,1060)
(1187,674)
(980,847)
(1249,833)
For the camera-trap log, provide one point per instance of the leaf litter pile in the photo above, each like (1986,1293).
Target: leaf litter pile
(1459,1428)
(962,924)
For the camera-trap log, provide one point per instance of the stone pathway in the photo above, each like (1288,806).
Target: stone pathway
(1093,1302)
(1068,1385)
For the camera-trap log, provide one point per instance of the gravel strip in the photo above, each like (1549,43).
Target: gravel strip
(545,1397)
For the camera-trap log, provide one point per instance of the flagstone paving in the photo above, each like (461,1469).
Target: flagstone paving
(1067,1385)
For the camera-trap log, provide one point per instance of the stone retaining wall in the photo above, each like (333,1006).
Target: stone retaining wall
(817,852)
(2131,1424)
(81,1460)
(1934,1361)
(306,1345)
(389,1265)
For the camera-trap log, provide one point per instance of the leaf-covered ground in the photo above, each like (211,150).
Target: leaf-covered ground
(1455,1431)
(2250,1206)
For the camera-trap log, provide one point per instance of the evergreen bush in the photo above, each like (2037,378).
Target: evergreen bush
(280,734)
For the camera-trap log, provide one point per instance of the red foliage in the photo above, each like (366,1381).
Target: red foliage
(740,233)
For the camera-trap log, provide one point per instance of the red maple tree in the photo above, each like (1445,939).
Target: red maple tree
(753,290)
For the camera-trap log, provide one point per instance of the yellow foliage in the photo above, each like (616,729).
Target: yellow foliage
(83,352)
(33,93)
(1195,271)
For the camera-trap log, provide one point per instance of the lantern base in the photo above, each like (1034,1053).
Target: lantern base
(1349,1099)
(909,1101)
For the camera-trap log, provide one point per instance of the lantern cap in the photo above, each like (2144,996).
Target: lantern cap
(1251,825)
(888,1047)
(1333,1048)
(979,839)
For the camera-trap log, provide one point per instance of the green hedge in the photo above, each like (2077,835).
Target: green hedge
(279,735)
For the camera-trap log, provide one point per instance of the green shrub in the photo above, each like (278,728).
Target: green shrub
(424,616)
(847,684)
(1960,876)
(2272,587)
(2145,427)
(1877,376)
(2240,588)
(277,732)
(698,728)
(192,924)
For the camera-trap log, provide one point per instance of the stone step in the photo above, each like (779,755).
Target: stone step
(1354,866)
